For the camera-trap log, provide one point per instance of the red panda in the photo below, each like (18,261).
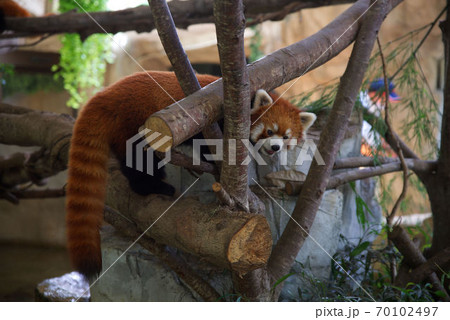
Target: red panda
(9,8)
(115,115)
(12,9)
(277,123)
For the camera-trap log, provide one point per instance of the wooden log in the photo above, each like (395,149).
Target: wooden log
(237,241)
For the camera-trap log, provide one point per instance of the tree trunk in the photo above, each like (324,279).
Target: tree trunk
(230,26)
(438,183)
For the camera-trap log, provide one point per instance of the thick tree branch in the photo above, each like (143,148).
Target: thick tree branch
(230,27)
(356,162)
(412,256)
(293,237)
(179,60)
(444,151)
(338,179)
(185,13)
(434,264)
(205,106)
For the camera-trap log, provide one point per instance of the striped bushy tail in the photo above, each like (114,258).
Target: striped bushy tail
(86,187)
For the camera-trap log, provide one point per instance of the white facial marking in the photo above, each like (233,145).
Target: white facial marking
(269,143)
(256,131)
(275,127)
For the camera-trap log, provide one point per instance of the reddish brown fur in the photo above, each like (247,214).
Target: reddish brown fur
(106,122)
(284,114)
(12,9)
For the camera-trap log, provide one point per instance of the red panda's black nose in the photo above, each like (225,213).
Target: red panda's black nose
(275,147)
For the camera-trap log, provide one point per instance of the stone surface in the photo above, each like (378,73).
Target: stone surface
(352,229)
(67,288)
(323,241)
(135,276)
(140,276)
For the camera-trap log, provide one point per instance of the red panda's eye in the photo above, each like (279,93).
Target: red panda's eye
(269,132)
(285,137)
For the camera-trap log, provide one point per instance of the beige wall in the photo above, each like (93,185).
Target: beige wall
(35,221)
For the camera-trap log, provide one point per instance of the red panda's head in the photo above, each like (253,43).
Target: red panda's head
(277,123)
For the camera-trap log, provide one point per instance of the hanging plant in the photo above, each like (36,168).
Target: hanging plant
(83,63)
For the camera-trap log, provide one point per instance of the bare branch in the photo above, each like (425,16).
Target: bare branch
(402,195)
(179,60)
(331,138)
(413,54)
(172,46)
(185,13)
(222,195)
(356,162)
(340,178)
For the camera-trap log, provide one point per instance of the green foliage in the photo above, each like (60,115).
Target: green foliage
(83,63)
(26,83)
(370,267)
(362,209)
(255,44)
(308,102)
(6,69)
(416,97)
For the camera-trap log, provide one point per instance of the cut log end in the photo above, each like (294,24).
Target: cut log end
(216,187)
(250,247)
(293,188)
(165,141)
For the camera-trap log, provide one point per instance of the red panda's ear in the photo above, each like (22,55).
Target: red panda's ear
(307,119)
(262,98)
